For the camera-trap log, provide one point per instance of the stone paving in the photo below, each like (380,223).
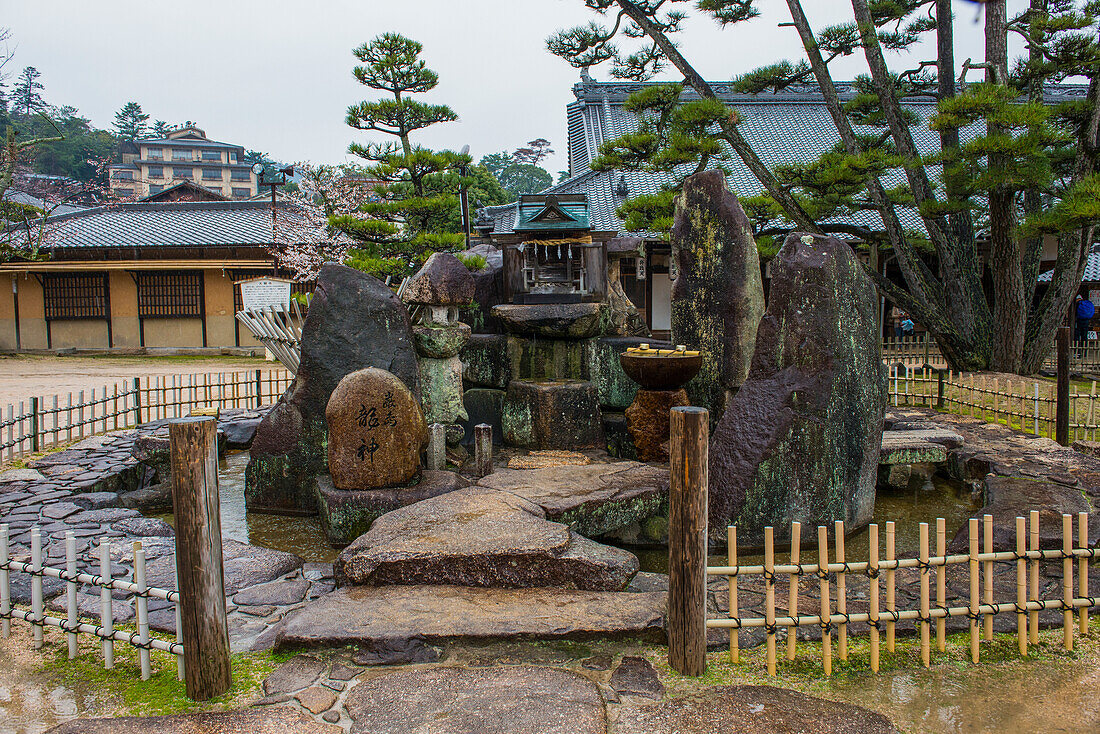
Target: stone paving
(81,488)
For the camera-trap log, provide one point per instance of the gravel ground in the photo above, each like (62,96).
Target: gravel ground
(24,376)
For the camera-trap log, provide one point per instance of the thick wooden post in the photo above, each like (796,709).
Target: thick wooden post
(194,451)
(483,449)
(687,541)
(1061,426)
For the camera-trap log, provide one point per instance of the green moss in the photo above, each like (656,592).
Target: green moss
(163,693)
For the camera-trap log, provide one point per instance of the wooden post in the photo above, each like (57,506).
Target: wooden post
(1062,422)
(941,583)
(1067,580)
(1033,576)
(873,606)
(687,540)
(1083,568)
(987,574)
(1021,585)
(974,583)
(731,559)
(194,452)
(769,595)
(891,623)
(841,591)
(792,591)
(925,652)
(483,449)
(825,619)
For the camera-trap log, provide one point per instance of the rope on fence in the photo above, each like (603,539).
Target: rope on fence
(1025,606)
(71,624)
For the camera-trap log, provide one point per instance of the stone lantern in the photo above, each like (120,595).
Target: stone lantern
(434,296)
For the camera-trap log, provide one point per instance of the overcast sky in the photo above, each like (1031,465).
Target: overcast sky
(275,75)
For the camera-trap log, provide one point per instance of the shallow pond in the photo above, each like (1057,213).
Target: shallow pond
(928,497)
(301,535)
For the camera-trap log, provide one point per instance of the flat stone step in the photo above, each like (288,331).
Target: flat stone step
(244,721)
(480,537)
(364,614)
(506,700)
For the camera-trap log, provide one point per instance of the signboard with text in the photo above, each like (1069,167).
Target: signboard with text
(259,293)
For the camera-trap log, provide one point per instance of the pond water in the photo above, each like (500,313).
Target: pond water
(301,535)
(929,496)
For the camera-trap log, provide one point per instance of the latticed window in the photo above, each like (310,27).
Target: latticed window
(75,296)
(173,295)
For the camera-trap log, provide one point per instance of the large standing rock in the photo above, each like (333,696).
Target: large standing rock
(801,439)
(480,537)
(717,297)
(354,321)
(375,431)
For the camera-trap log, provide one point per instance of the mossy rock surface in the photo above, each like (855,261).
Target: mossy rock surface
(555,414)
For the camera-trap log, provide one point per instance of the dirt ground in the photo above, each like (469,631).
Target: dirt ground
(24,376)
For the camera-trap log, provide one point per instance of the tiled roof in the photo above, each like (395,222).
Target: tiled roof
(1092,270)
(176,224)
(790,127)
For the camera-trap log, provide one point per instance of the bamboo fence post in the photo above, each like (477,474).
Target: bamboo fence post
(687,536)
(872,610)
(80,414)
(1036,426)
(792,590)
(769,595)
(1033,545)
(731,558)
(925,652)
(1021,586)
(5,585)
(1051,403)
(1090,431)
(973,565)
(841,589)
(941,583)
(71,616)
(996,400)
(891,622)
(1083,568)
(826,614)
(987,573)
(141,604)
(1067,579)
(56,413)
(36,586)
(199,568)
(106,611)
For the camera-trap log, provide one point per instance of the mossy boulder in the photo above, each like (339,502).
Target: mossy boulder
(801,439)
(717,297)
(549,359)
(354,322)
(441,390)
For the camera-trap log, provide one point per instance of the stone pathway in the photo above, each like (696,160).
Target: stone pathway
(82,488)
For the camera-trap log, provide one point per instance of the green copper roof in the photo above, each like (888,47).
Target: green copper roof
(550,213)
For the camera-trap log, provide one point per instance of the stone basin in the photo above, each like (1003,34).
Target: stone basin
(554,320)
(663,369)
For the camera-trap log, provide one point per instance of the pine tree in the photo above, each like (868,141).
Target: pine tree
(25,95)
(161,129)
(130,122)
(417,193)
(1031,172)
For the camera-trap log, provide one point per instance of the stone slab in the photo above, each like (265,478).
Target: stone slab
(440,613)
(507,700)
(480,537)
(750,710)
(902,447)
(245,566)
(593,499)
(267,720)
(347,514)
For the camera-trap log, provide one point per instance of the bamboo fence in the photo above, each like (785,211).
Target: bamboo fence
(1024,404)
(918,351)
(42,422)
(884,616)
(70,623)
